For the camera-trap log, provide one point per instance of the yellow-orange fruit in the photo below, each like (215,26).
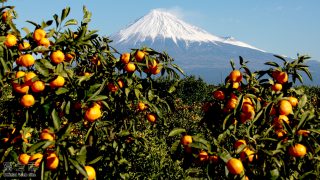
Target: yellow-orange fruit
(52,161)
(27,100)
(151,117)
(130,67)
(11,40)
(285,107)
(139,55)
(26,60)
(38,34)
(186,139)
(235,76)
(125,58)
(90,172)
(298,150)
(58,82)
(36,158)
(235,166)
(24,159)
(93,113)
(38,86)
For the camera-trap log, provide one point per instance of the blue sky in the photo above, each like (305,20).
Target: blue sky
(284,27)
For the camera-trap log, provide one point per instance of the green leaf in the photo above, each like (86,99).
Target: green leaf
(272,64)
(61,90)
(95,160)
(175,146)
(176,131)
(137,93)
(99,90)
(274,174)
(65,12)
(99,98)
(56,119)
(56,18)
(79,167)
(67,109)
(41,68)
(36,146)
(47,64)
(71,22)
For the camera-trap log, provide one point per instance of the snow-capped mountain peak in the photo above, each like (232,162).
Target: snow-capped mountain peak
(160,24)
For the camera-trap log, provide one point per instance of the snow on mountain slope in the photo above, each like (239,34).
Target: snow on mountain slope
(161,25)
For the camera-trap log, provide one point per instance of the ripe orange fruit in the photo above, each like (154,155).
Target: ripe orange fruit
(293,101)
(130,67)
(38,34)
(38,86)
(235,85)
(90,172)
(239,142)
(112,87)
(22,89)
(280,133)
(69,56)
(46,134)
(28,77)
(246,108)
(186,139)
(141,106)
(282,77)
(93,113)
(203,155)
(276,87)
(44,42)
(52,161)
(156,70)
(23,46)
(120,83)
(235,166)
(11,40)
(214,159)
(235,76)
(20,74)
(247,155)
(278,121)
(58,82)
(36,158)
(303,132)
(232,103)
(218,94)
(139,55)
(246,116)
(87,74)
(151,117)
(5,16)
(298,150)
(125,58)
(27,100)
(24,159)
(57,57)
(26,60)
(285,107)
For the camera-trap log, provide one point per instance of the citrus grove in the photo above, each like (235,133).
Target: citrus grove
(258,125)
(76,103)
(73,107)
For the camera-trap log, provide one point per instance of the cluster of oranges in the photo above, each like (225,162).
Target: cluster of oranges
(152,66)
(238,102)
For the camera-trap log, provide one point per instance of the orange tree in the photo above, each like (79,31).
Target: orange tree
(256,129)
(78,108)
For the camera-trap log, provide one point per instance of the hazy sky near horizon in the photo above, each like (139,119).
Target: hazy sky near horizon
(284,27)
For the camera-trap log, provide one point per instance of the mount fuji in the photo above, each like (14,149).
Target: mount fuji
(195,50)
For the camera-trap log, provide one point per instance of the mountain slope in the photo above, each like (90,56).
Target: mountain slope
(194,49)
